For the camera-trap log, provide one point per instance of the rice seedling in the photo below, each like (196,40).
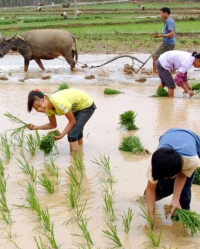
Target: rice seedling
(161,92)
(155,242)
(14,243)
(82,224)
(63,86)
(80,210)
(26,167)
(147,217)
(31,144)
(39,243)
(47,142)
(109,91)
(131,144)
(127,120)
(197,177)
(16,120)
(78,162)
(52,168)
(112,235)
(189,219)
(1,169)
(6,147)
(104,163)
(51,238)
(196,87)
(75,180)
(45,217)
(108,205)
(37,138)
(20,139)
(72,196)
(46,183)
(32,199)
(126,219)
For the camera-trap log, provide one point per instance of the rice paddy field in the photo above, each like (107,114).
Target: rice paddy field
(94,199)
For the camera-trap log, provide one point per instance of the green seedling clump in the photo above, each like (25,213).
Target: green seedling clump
(189,219)
(131,144)
(63,86)
(197,177)
(127,120)
(109,91)
(161,92)
(196,87)
(47,142)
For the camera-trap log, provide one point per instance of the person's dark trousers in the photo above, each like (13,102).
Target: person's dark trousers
(165,188)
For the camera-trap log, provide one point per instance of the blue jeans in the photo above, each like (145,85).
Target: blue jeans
(81,117)
(165,188)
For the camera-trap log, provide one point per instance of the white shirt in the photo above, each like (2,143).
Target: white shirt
(176,60)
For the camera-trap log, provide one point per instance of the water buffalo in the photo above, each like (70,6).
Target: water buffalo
(46,44)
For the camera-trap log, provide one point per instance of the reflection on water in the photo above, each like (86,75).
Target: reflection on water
(102,135)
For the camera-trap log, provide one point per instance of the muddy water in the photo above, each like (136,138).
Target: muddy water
(102,136)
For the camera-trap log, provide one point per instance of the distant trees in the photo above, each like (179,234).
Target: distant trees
(12,3)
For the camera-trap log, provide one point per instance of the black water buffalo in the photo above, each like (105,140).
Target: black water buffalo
(46,44)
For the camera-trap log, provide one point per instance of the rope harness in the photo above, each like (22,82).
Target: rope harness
(84,65)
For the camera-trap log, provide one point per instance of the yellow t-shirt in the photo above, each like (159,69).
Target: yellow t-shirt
(190,164)
(69,100)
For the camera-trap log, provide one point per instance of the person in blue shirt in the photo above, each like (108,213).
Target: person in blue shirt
(169,41)
(172,169)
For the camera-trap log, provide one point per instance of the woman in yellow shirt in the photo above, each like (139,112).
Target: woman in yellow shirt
(76,105)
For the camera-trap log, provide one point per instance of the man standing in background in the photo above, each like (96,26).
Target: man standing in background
(168,35)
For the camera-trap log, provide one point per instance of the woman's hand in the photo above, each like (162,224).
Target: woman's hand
(156,35)
(32,127)
(175,205)
(58,137)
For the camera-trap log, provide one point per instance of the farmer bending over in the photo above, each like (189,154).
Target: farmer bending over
(180,61)
(76,105)
(172,169)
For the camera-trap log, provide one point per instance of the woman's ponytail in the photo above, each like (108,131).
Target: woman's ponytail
(194,54)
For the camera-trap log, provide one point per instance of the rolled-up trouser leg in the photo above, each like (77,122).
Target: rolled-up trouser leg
(81,117)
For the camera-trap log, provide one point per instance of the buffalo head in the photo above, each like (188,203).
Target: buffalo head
(6,43)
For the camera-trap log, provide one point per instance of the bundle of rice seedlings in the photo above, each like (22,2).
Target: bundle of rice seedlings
(189,219)
(109,91)
(14,119)
(63,86)
(47,142)
(131,144)
(197,177)
(127,120)
(161,92)
(196,87)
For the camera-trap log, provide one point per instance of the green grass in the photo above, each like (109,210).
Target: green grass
(196,87)
(39,243)
(131,144)
(197,177)
(109,91)
(37,138)
(20,139)
(127,120)
(126,219)
(2,169)
(147,217)
(52,168)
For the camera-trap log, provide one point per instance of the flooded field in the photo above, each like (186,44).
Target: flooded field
(102,136)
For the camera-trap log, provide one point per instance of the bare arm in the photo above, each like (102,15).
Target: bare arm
(151,199)
(51,125)
(69,126)
(169,35)
(178,187)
